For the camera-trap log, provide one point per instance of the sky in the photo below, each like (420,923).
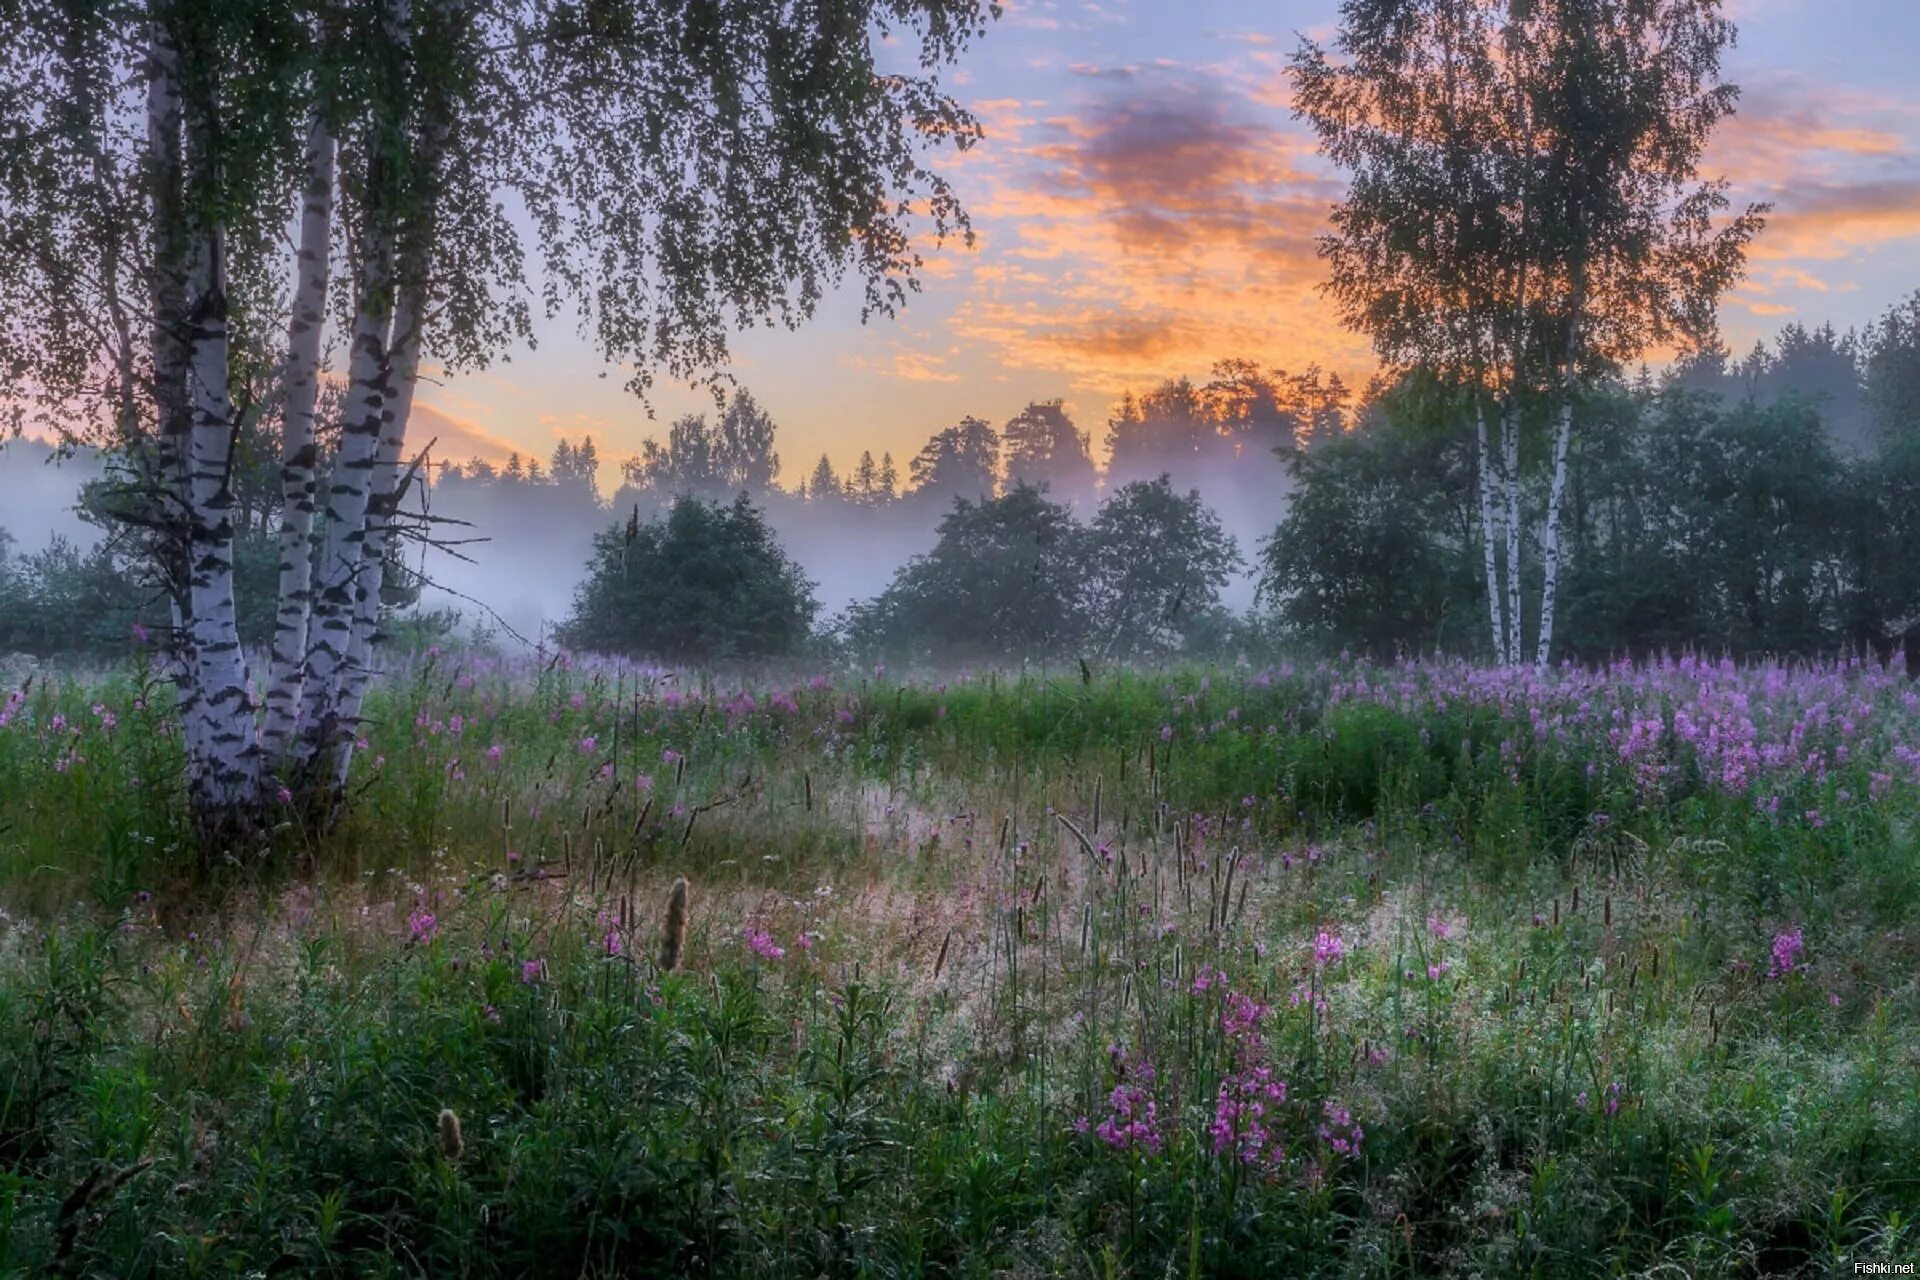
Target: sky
(1144,205)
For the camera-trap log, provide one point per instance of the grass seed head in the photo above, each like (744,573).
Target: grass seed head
(450,1142)
(673,935)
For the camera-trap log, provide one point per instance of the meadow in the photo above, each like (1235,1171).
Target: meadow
(1322,969)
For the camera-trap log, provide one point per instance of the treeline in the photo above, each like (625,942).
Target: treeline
(1764,506)
(1769,505)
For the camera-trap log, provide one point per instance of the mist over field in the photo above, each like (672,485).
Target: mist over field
(921,638)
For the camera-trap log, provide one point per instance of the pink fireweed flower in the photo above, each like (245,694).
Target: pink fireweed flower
(1328,948)
(422,926)
(612,942)
(588,745)
(1133,1120)
(1241,1110)
(761,943)
(1439,928)
(495,751)
(531,970)
(1342,1136)
(1786,951)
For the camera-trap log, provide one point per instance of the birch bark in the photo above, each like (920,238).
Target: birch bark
(1550,556)
(299,467)
(1510,485)
(1489,535)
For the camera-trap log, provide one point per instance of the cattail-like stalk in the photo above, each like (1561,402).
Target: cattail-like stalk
(450,1143)
(673,936)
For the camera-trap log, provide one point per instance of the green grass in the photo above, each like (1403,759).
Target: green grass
(1550,1044)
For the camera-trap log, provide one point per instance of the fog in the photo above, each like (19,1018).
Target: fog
(38,492)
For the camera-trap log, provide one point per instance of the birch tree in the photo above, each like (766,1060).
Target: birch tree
(686,168)
(1524,217)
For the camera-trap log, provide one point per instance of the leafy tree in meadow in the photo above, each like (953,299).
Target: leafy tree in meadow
(1007,578)
(1370,556)
(688,167)
(1156,562)
(1522,218)
(704,582)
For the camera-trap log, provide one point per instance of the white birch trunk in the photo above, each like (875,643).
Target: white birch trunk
(1562,437)
(299,466)
(225,782)
(1489,536)
(330,630)
(403,366)
(168,283)
(1510,450)
(350,489)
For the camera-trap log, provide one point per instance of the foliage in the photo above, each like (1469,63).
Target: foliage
(703,582)
(1156,561)
(1008,577)
(1409,970)
(1372,555)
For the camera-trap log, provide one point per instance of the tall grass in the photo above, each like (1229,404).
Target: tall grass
(1331,970)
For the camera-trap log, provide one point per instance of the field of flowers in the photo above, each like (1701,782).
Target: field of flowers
(1326,969)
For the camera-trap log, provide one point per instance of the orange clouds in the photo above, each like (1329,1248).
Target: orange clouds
(1165,223)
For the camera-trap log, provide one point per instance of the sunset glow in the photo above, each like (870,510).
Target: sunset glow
(1145,204)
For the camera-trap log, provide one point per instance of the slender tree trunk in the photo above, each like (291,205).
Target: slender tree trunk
(225,784)
(1489,536)
(1510,483)
(168,287)
(403,375)
(1562,437)
(299,468)
(403,366)
(330,631)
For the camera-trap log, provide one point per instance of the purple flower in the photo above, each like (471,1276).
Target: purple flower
(1327,949)
(761,943)
(531,970)
(422,926)
(1785,958)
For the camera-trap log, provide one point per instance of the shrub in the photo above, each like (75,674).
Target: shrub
(705,581)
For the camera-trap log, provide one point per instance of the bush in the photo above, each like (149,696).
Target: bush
(705,581)
(1008,576)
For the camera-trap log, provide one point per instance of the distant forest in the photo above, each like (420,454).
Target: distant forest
(1765,503)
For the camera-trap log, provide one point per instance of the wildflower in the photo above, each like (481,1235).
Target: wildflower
(495,751)
(422,926)
(761,943)
(530,970)
(588,744)
(1439,928)
(139,634)
(1785,956)
(612,943)
(1436,971)
(284,796)
(1133,1120)
(1327,949)
(1342,1136)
